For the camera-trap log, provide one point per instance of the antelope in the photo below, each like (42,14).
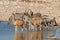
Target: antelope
(17,22)
(37,21)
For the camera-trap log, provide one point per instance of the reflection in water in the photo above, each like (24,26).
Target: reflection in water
(7,33)
(32,36)
(29,36)
(18,36)
(35,36)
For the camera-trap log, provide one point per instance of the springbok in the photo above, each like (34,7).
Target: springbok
(37,20)
(16,21)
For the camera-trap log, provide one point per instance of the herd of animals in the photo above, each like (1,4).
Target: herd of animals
(30,20)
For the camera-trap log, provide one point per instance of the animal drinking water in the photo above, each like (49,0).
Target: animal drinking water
(26,20)
(17,22)
(22,21)
(37,21)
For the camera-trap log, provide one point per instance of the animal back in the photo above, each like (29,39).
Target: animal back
(19,22)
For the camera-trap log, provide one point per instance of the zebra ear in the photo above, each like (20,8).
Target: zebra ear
(31,13)
(24,13)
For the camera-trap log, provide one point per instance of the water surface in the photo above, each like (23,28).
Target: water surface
(7,33)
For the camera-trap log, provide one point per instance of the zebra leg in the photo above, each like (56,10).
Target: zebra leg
(31,27)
